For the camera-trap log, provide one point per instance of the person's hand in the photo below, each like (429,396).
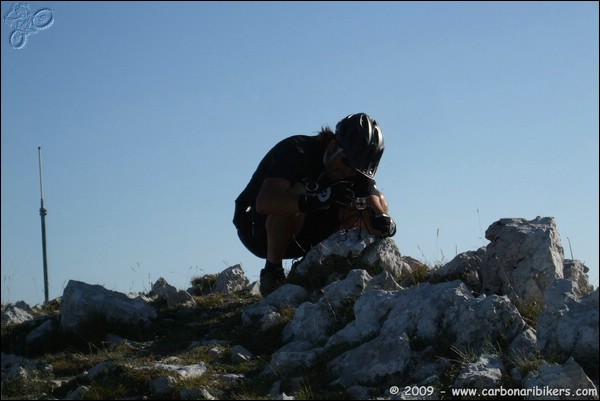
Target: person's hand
(384,224)
(337,193)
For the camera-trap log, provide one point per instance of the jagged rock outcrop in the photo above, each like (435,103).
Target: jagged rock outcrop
(370,335)
(366,318)
(82,302)
(268,312)
(163,290)
(465,267)
(523,258)
(230,280)
(334,257)
(17,313)
(484,373)
(568,325)
(377,341)
(563,382)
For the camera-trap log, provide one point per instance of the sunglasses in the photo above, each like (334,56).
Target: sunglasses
(344,159)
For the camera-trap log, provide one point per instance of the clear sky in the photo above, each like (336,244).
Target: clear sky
(153,116)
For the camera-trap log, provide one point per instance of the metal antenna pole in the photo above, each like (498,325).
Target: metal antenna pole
(43,213)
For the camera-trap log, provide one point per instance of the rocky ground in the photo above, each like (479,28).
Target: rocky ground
(356,321)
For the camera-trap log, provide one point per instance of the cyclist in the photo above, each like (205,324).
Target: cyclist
(308,187)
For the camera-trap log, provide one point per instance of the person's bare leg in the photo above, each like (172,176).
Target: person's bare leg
(280,232)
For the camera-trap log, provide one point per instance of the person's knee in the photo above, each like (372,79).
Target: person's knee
(280,226)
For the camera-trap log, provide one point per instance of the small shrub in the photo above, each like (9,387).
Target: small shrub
(529,311)
(204,285)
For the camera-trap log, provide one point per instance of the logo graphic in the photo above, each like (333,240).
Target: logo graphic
(24,23)
(324,195)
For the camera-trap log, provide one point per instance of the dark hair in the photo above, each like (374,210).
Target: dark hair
(325,135)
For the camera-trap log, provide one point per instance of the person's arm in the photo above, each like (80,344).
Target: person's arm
(378,203)
(378,217)
(374,218)
(277,197)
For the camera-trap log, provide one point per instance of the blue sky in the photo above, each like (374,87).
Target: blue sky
(153,116)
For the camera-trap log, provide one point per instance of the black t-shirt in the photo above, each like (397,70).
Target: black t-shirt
(296,159)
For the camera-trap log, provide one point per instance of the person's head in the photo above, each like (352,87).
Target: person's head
(361,141)
(334,160)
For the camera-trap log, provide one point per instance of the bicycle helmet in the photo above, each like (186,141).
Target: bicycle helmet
(362,142)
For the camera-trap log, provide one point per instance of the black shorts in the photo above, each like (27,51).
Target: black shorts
(317,227)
